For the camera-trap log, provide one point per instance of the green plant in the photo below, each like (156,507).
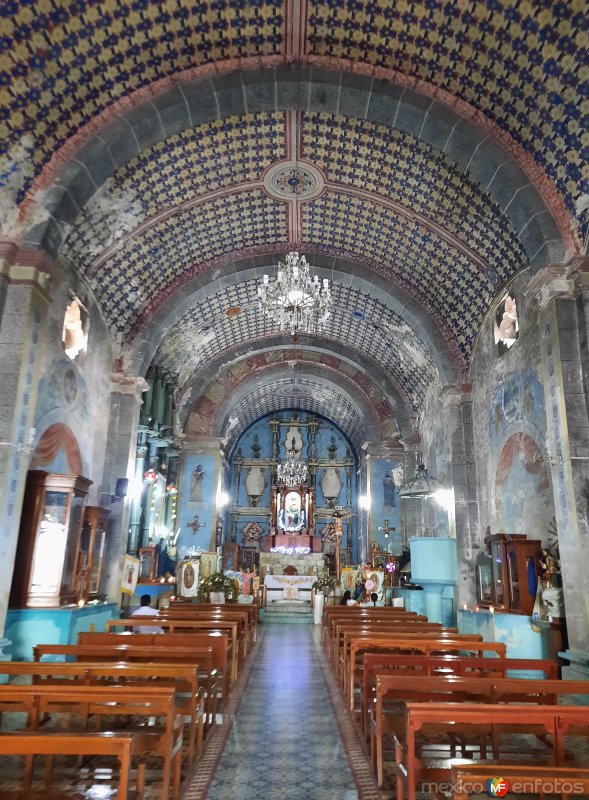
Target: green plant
(326,584)
(218,583)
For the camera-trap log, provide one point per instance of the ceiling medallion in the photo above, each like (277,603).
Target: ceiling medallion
(293,181)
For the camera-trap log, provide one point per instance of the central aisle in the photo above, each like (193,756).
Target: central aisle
(285,741)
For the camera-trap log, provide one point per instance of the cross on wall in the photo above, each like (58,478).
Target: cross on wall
(196,524)
(386,529)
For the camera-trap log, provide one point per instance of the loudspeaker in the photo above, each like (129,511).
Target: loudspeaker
(122,487)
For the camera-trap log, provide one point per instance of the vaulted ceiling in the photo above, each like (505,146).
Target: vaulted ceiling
(419,153)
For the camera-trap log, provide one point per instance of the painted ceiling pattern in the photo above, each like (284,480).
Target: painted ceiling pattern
(365,325)
(523,63)
(216,395)
(145,265)
(401,168)
(447,282)
(220,154)
(322,399)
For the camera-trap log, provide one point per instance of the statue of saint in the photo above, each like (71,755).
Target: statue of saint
(196,485)
(388,488)
(292,517)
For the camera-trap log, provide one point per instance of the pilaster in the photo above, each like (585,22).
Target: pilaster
(24,300)
(562,297)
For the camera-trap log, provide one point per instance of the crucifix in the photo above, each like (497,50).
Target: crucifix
(386,529)
(196,524)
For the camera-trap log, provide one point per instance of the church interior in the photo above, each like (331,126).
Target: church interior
(294,310)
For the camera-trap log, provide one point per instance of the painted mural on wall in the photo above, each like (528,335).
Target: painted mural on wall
(520,399)
(524,501)
(386,479)
(197,502)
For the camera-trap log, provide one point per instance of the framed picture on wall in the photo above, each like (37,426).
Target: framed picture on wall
(208,564)
(130,574)
(189,577)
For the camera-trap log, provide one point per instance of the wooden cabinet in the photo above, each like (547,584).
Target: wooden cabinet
(514,566)
(47,558)
(91,554)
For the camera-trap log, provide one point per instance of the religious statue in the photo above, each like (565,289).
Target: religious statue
(196,485)
(388,486)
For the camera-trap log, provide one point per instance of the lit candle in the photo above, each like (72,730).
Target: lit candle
(491,609)
(464,607)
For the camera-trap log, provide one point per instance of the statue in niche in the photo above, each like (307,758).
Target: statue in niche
(196,484)
(388,489)
(291,518)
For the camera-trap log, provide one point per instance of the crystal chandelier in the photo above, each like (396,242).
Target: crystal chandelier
(293,472)
(294,301)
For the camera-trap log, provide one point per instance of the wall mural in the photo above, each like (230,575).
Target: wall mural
(524,500)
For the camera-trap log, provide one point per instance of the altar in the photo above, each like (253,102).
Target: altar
(289,587)
(283,543)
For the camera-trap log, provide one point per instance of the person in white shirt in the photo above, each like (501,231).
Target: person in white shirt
(145,610)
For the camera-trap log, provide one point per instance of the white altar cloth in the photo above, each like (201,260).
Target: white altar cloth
(289,581)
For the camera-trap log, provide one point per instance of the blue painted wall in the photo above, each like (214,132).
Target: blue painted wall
(205,507)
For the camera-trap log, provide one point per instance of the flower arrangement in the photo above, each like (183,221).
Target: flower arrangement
(218,582)
(325,584)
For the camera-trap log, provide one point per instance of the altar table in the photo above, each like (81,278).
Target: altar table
(300,583)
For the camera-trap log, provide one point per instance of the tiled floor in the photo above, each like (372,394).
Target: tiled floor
(285,741)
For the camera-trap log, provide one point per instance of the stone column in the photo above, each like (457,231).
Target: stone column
(562,295)
(120,462)
(24,300)
(457,419)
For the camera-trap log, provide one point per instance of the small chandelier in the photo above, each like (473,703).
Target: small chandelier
(294,301)
(293,472)
(421,485)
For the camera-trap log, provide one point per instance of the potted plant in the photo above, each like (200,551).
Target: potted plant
(217,584)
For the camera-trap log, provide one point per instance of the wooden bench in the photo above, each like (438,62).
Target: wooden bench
(101,701)
(397,689)
(426,645)
(345,632)
(249,612)
(448,719)
(203,656)
(442,665)
(190,642)
(30,744)
(540,781)
(333,613)
(184,678)
(178,628)
(216,617)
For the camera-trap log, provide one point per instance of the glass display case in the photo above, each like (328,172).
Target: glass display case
(91,554)
(514,564)
(484,580)
(45,571)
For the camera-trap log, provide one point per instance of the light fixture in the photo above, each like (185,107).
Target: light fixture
(421,485)
(293,471)
(295,301)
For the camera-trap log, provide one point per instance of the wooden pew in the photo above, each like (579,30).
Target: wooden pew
(397,689)
(179,628)
(191,642)
(31,743)
(99,701)
(214,615)
(343,632)
(446,719)
(524,779)
(184,678)
(203,656)
(427,645)
(441,665)
(250,612)
(358,613)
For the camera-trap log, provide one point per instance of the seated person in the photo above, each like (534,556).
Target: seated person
(145,610)
(347,599)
